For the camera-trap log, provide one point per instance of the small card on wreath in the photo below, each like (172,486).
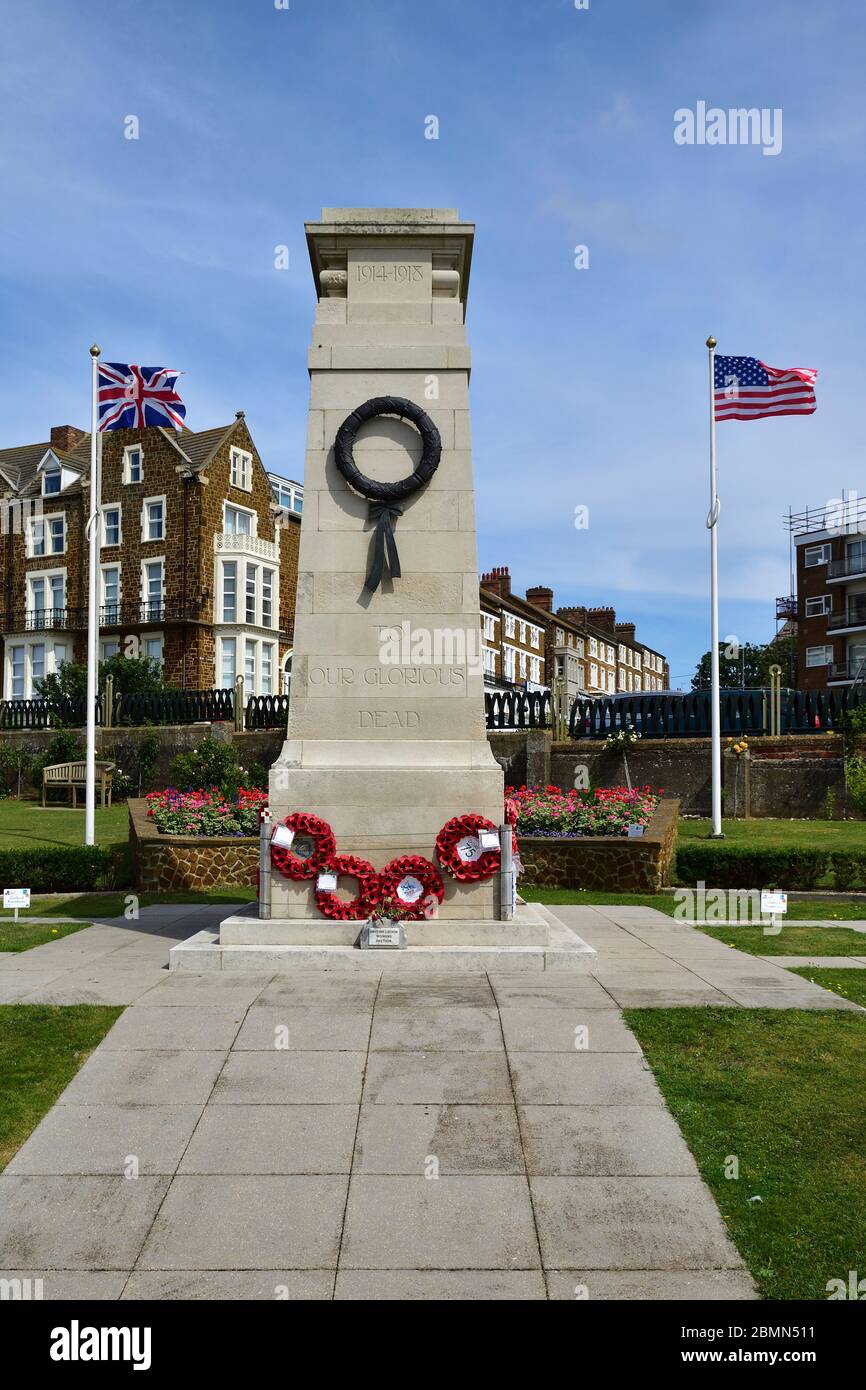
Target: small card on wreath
(283,835)
(489,839)
(326,883)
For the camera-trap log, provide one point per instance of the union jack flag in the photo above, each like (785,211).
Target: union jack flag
(131,398)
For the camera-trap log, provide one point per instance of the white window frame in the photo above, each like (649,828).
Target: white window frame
(154,637)
(105,544)
(54,471)
(826,602)
(240,468)
(223,565)
(109,642)
(47,575)
(247,511)
(103,601)
(821,551)
(219,671)
(30,538)
(824,654)
(145,521)
(510,622)
(127,465)
(145,598)
(51,664)
(593,674)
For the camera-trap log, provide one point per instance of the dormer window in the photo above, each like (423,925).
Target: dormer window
(51,481)
(133,464)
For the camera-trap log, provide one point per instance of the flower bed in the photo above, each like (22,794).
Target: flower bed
(206,812)
(605,811)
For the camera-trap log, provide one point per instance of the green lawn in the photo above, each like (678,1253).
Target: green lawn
(41,1048)
(851,984)
(819,909)
(24,825)
(23,935)
(780,1091)
(774,834)
(792,941)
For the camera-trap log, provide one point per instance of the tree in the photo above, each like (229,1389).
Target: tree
(130,673)
(750,667)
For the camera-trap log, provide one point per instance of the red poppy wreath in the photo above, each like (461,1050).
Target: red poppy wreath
(359,907)
(312,845)
(458,849)
(412,881)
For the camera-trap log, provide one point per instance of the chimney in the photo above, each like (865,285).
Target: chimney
(65,437)
(573,615)
(540,597)
(626,631)
(605,618)
(498,581)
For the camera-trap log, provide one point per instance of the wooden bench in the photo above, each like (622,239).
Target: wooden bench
(73,775)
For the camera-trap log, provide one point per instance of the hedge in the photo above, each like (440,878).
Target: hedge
(732,866)
(67,868)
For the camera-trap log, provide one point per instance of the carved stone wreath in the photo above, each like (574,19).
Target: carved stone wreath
(385,498)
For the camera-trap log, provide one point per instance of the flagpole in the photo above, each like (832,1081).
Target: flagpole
(92,609)
(713,527)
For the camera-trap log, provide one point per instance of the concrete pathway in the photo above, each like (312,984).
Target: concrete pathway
(334,1136)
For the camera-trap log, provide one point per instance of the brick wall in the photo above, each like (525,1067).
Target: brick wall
(605,863)
(170,862)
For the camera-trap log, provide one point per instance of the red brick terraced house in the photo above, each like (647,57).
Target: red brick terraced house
(198,561)
(829,607)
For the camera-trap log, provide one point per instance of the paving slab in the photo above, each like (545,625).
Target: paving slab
(644,1285)
(280,1139)
(630,1223)
(229,991)
(454,1140)
(190,1028)
(582,1078)
(566,1030)
(68,1285)
(443,1223)
(436,1078)
(305,1028)
(103,1139)
(440,1285)
(449,1028)
(426,992)
(603,1141)
(144,1078)
(75,1222)
(582,990)
(249,1222)
(290,1078)
(273,1285)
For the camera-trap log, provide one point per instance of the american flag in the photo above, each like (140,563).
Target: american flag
(746,389)
(131,398)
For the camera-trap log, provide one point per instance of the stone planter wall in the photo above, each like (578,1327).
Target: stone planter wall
(164,862)
(605,863)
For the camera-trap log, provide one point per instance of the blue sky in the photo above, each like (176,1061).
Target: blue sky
(556,129)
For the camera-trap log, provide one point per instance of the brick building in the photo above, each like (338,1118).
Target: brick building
(587,647)
(198,561)
(829,606)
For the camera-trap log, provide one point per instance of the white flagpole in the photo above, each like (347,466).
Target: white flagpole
(92,610)
(713,527)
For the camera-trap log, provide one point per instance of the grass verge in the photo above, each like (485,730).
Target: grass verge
(42,1046)
(781,1093)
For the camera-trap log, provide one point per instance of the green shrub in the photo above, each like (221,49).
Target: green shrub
(847,868)
(61,869)
(211,764)
(857,781)
(730,866)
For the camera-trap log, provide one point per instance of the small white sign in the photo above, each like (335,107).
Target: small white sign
(16,897)
(489,839)
(773,903)
(469,848)
(326,883)
(283,836)
(635,832)
(389,937)
(409,889)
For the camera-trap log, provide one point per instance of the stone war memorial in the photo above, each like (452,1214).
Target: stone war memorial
(386,802)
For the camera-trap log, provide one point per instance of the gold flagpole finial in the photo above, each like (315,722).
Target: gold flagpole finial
(95,351)
(711,342)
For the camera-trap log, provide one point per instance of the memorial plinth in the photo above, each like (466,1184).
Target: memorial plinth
(386,739)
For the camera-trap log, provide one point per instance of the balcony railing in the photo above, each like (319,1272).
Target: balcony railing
(851,567)
(852,669)
(854,616)
(241,544)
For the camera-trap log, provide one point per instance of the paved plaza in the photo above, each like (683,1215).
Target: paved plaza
(332,1135)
